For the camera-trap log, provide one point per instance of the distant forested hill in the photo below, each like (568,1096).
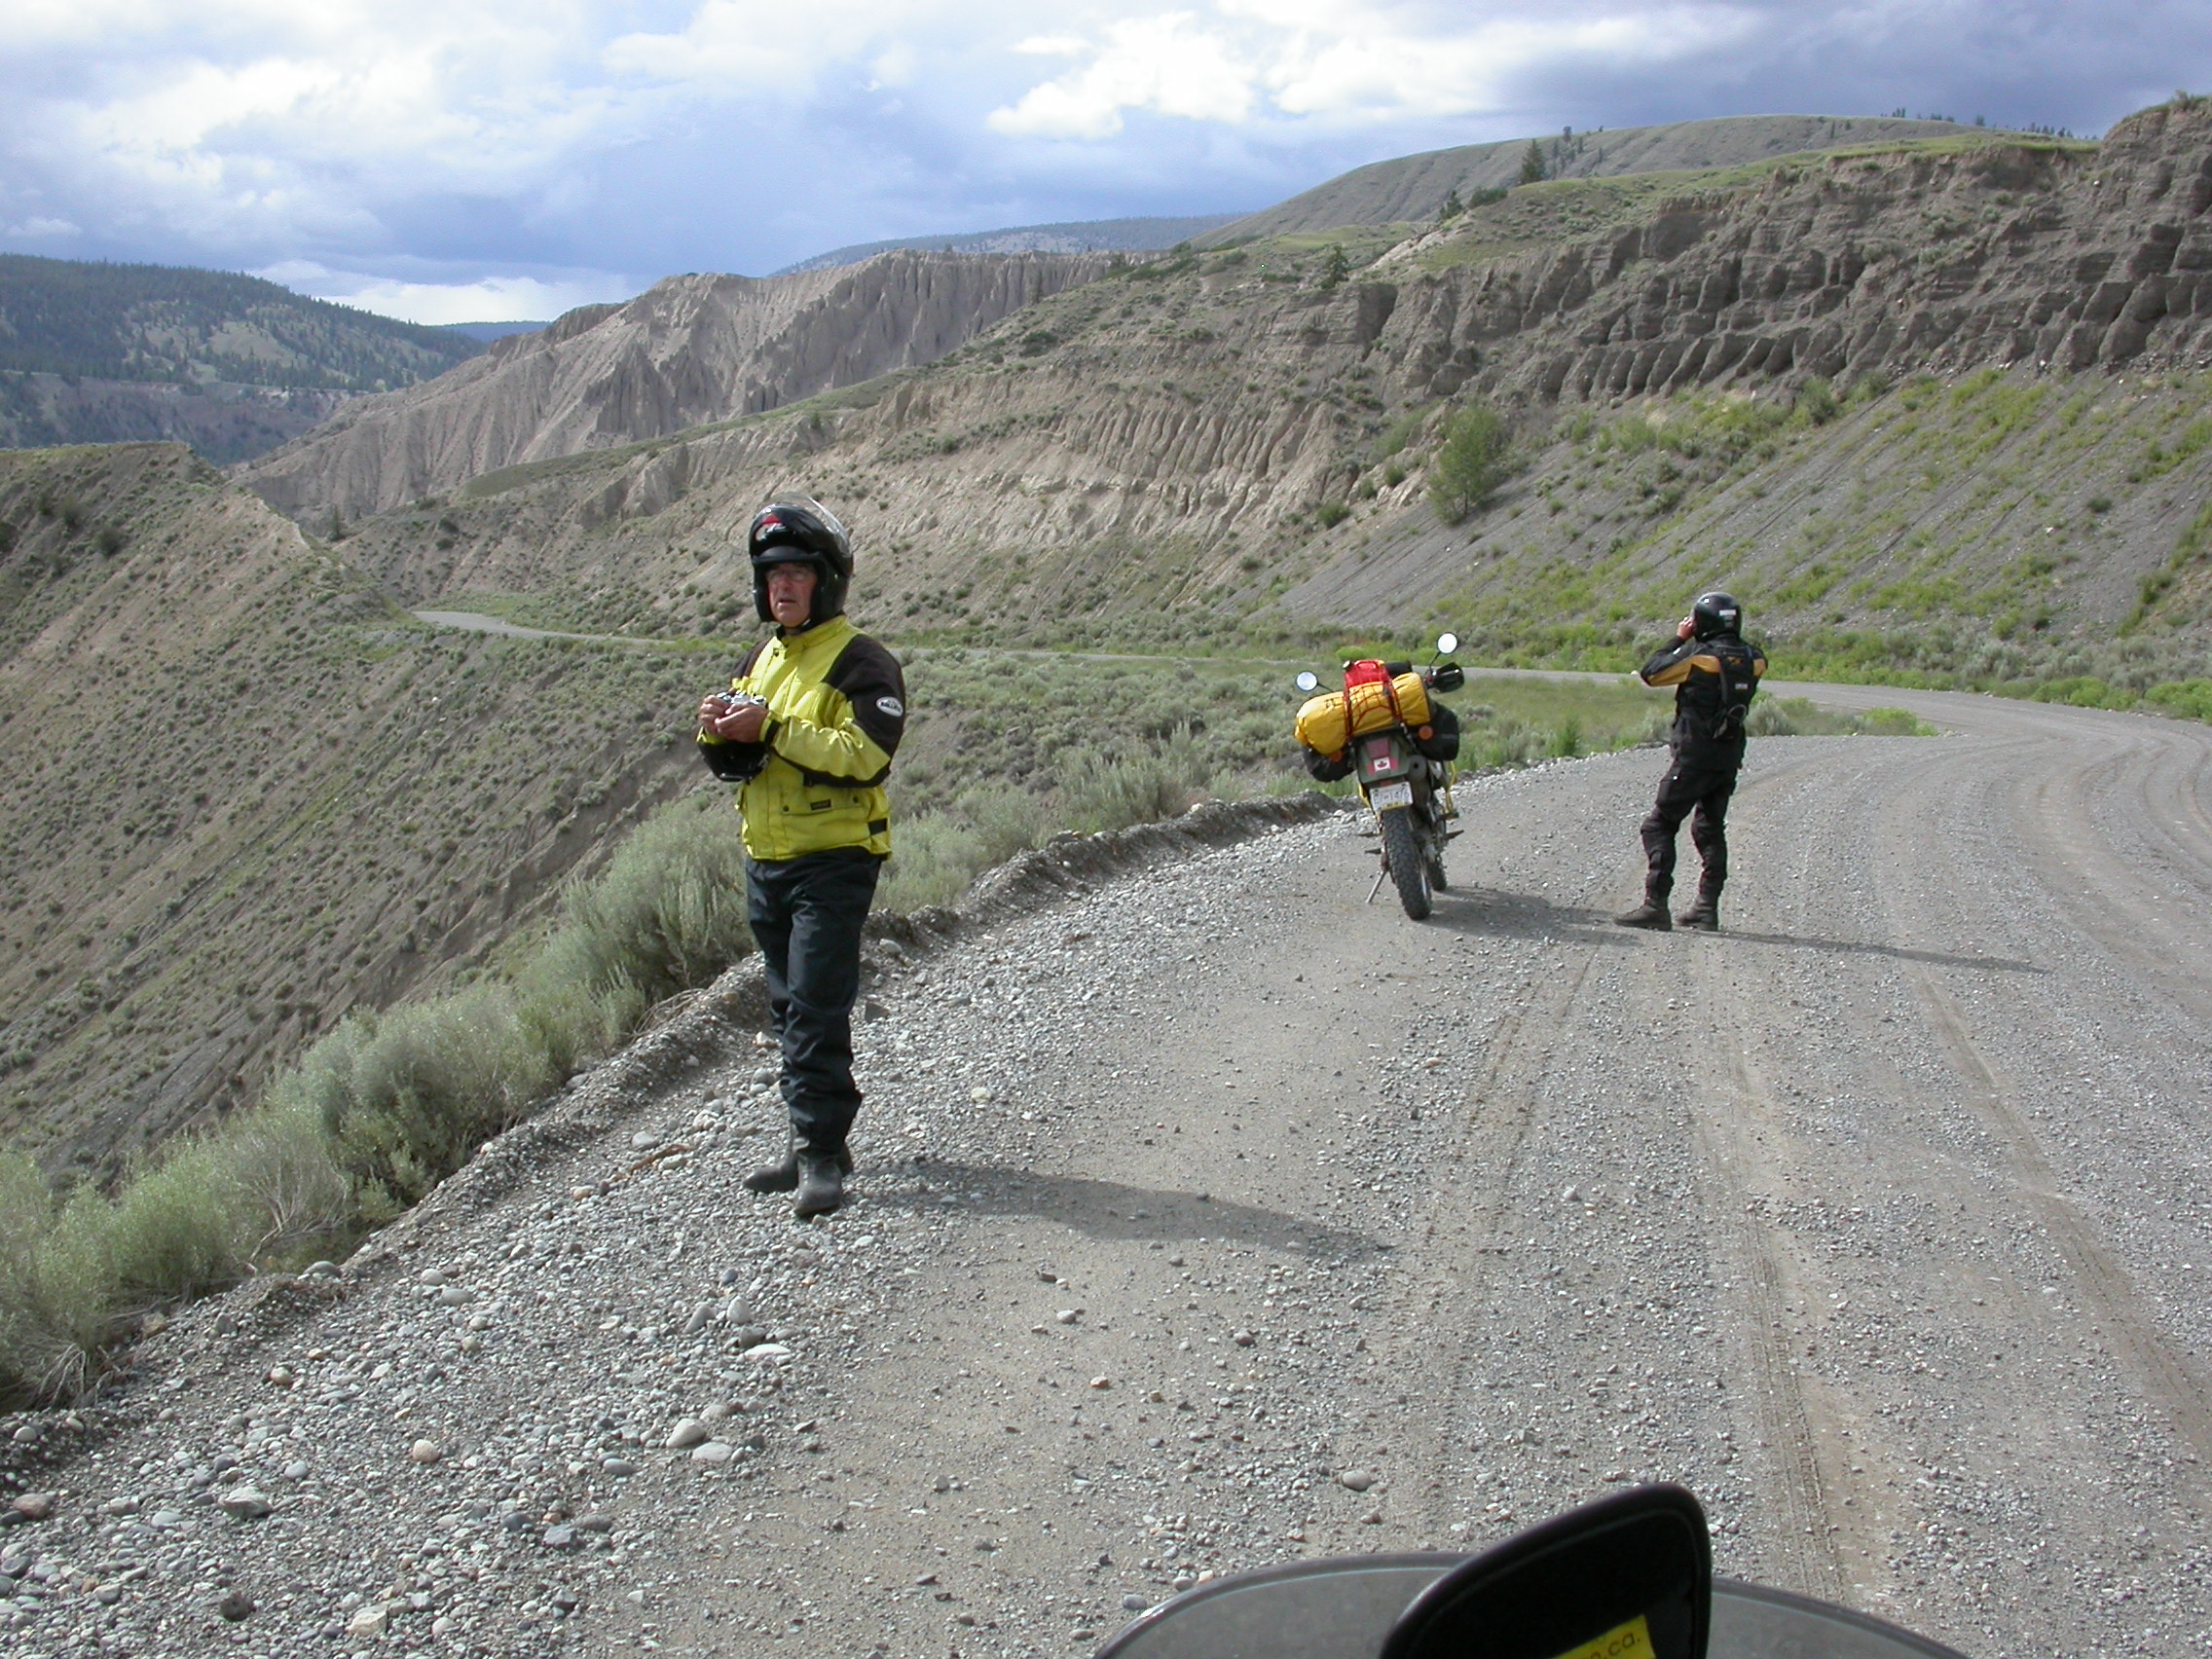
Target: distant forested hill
(172,324)
(95,354)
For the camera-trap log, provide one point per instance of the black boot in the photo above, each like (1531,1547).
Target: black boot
(1704,915)
(784,1175)
(821,1183)
(1651,913)
(778,1177)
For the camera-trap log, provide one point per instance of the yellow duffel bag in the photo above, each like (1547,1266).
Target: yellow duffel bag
(1321,719)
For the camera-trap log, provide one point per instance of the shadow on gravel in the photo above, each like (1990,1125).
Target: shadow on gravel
(1489,910)
(1525,915)
(1109,1209)
(1857,947)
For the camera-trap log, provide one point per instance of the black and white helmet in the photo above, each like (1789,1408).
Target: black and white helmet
(1715,613)
(800,530)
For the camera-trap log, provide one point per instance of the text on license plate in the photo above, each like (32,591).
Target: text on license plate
(1384,796)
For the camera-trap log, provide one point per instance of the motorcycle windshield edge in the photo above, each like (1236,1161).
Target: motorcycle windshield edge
(1344,1609)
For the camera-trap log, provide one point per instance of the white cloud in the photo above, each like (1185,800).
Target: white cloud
(771,51)
(1171,64)
(486,299)
(1339,60)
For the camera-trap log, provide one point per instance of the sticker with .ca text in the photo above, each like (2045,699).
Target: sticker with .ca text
(1631,1640)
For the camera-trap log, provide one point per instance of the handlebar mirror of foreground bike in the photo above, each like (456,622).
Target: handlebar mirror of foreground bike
(1309,680)
(1628,1577)
(1447,643)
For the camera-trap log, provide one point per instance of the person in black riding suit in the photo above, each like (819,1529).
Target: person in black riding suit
(1715,675)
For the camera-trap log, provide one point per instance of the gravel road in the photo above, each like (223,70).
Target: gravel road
(1216,1217)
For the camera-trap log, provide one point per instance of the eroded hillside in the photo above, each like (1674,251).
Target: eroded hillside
(1241,438)
(690,350)
(241,792)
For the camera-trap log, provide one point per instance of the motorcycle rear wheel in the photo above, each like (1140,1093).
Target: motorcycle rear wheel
(1407,861)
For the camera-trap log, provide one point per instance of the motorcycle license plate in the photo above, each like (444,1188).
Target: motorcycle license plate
(1384,796)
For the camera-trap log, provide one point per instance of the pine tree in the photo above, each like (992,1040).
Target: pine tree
(1453,207)
(1533,163)
(1470,463)
(1334,266)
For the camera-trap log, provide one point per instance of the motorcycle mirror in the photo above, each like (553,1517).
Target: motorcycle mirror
(1627,1577)
(1309,680)
(1447,643)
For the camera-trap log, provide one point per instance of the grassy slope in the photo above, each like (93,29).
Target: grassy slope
(240,793)
(1995,531)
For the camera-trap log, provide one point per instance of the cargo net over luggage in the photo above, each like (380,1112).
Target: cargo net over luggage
(1369,701)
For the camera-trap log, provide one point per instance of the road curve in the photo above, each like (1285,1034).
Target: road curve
(1219,1216)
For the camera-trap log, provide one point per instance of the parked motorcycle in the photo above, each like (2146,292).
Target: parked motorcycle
(1383,729)
(1627,1577)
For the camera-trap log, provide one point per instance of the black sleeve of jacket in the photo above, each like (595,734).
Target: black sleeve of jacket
(1665,659)
(871,679)
(1327,768)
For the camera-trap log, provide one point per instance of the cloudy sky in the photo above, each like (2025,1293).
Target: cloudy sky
(449,160)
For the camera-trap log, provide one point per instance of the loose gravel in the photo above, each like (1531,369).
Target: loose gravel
(1212,1216)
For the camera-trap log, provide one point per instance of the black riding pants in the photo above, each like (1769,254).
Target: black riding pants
(1696,786)
(806,914)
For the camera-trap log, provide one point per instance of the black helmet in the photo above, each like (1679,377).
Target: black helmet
(800,530)
(1715,613)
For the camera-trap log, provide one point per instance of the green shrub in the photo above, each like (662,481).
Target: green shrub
(1894,722)
(1470,463)
(666,915)
(56,1285)
(406,1095)
(1100,792)
(1817,401)
(2190,697)
(1801,716)
(176,1228)
(934,857)
(1399,433)
(1330,514)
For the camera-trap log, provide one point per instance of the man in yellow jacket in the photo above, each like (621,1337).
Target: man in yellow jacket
(807,730)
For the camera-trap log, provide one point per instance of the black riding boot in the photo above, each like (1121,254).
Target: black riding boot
(820,1182)
(785,1173)
(1705,914)
(1651,913)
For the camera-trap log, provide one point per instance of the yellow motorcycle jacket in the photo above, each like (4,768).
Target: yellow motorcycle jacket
(836,710)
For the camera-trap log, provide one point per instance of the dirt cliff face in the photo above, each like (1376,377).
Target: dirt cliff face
(690,350)
(2048,256)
